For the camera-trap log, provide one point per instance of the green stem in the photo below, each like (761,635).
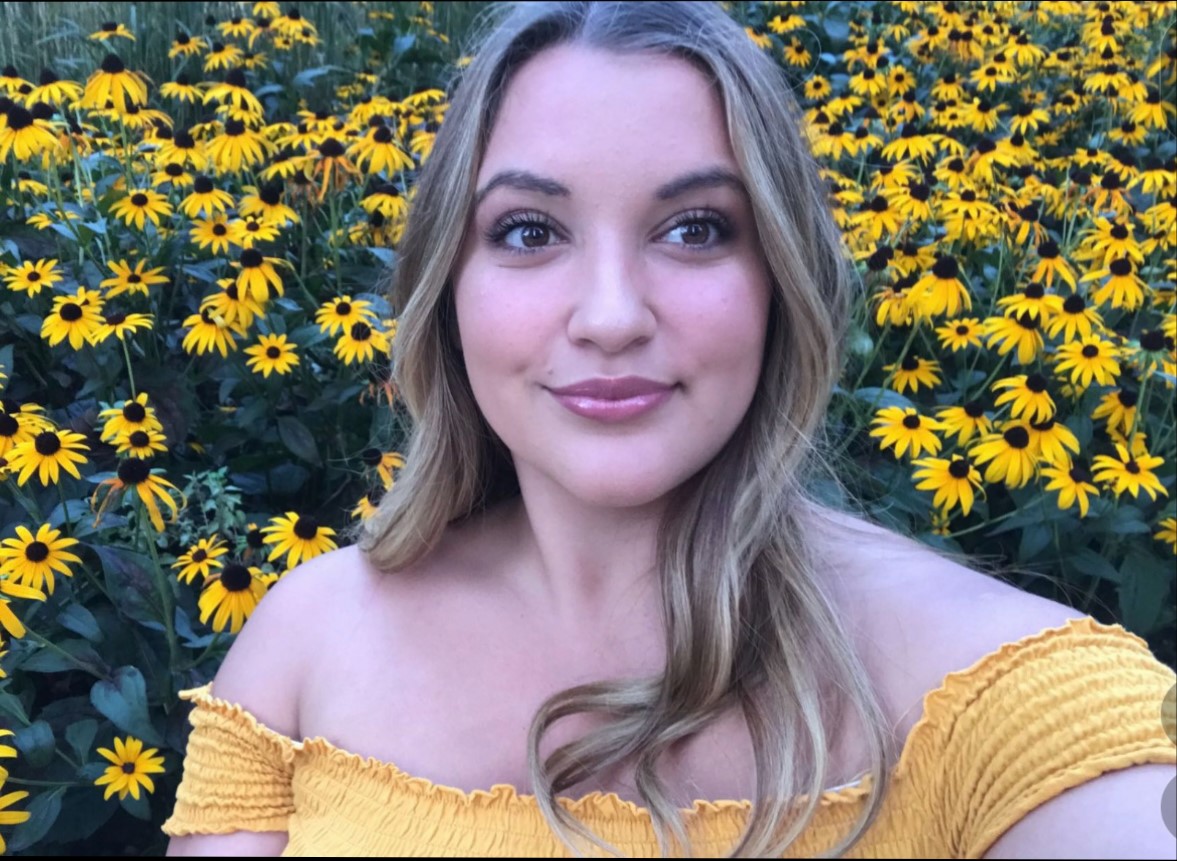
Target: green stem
(195,662)
(130,373)
(167,599)
(24,781)
(985,524)
(53,647)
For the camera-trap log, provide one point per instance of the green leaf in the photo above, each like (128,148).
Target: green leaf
(139,807)
(1035,538)
(124,701)
(80,736)
(1087,561)
(11,705)
(81,621)
(1145,586)
(46,660)
(44,808)
(36,742)
(83,812)
(881,397)
(298,439)
(128,577)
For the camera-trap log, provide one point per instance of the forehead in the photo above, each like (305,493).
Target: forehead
(574,111)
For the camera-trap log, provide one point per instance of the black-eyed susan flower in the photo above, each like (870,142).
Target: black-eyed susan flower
(901,428)
(112,30)
(1008,454)
(128,279)
(214,233)
(11,817)
(173,175)
(46,454)
(205,199)
(377,152)
(1087,360)
(965,421)
(967,216)
(1027,396)
(1167,531)
(24,135)
(336,315)
(136,474)
(913,372)
(1129,473)
(1107,240)
(1074,319)
(960,334)
(1051,264)
(237,148)
(879,218)
(299,537)
(206,333)
(119,325)
(360,342)
(19,425)
(271,354)
(1050,441)
(955,481)
(369,504)
(32,276)
(74,317)
(230,305)
(234,91)
(333,167)
(940,291)
(183,149)
(248,232)
(222,56)
(265,203)
(1123,288)
(11,82)
(1021,332)
(202,558)
(139,206)
(185,45)
(142,443)
(131,768)
(1032,300)
(113,83)
(1118,407)
(31,560)
(1073,485)
(182,90)
(258,277)
(132,415)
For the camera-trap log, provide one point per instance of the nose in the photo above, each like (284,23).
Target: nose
(611,307)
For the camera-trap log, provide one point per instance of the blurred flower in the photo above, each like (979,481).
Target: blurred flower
(1090,359)
(903,427)
(1167,532)
(1073,483)
(128,280)
(201,558)
(204,199)
(914,372)
(954,481)
(1129,473)
(141,205)
(32,276)
(272,353)
(960,334)
(300,537)
(1008,454)
(1027,396)
(110,30)
(136,474)
(113,83)
(1021,332)
(23,135)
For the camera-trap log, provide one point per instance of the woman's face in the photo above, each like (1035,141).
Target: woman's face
(583,261)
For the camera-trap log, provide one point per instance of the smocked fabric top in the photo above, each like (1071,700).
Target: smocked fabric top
(994,741)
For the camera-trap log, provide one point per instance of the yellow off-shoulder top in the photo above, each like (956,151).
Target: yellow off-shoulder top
(996,740)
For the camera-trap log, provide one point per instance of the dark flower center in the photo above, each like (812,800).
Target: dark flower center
(910,363)
(383,134)
(1027,322)
(110,26)
(236,577)
(233,128)
(71,312)
(306,528)
(273,352)
(1079,474)
(1120,267)
(173,170)
(331,148)
(959,468)
(974,409)
(911,422)
(236,78)
(1152,341)
(1074,304)
(33,276)
(184,140)
(1034,291)
(1119,231)
(199,554)
(342,308)
(134,278)
(360,331)
(1048,250)
(115,319)
(251,258)
(134,471)
(37,551)
(1036,383)
(1017,437)
(220,229)
(1133,467)
(19,118)
(202,184)
(1090,351)
(1127,398)
(112,65)
(139,439)
(8,425)
(255,539)
(270,194)
(945,268)
(139,199)
(371,456)
(1044,425)
(182,39)
(133,411)
(47,443)
(962,329)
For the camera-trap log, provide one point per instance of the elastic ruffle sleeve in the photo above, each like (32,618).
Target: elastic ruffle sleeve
(237,773)
(1036,718)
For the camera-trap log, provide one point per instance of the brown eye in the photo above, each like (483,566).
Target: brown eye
(696,233)
(534,236)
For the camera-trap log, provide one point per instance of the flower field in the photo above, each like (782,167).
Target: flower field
(199,204)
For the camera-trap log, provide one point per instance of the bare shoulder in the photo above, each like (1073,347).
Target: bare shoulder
(263,669)
(925,615)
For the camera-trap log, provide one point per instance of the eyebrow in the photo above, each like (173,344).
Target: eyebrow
(710,177)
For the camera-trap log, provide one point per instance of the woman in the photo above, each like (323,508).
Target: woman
(599,594)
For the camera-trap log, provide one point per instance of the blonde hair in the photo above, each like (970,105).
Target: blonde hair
(748,624)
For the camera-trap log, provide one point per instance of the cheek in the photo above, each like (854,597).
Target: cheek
(499,329)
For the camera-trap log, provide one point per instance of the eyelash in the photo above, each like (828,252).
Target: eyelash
(720,223)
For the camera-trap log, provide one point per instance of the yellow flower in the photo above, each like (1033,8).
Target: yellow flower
(272,353)
(205,199)
(30,560)
(953,480)
(110,30)
(334,315)
(940,290)
(258,277)
(965,421)
(140,205)
(131,767)
(232,593)
(120,325)
(1090,359)
(1052,264)
(47,454)
(213,233)
(1073,483)
(914,372)
(128,280)
(74,317)
(901,427)
(960,334)
(24,135)
(113,83)
(1022,332)
(1167,532)
(1008,453)
(1129,473)
(133,415)
(135,473)
(301,537)
(360,342)
(32,276)
(237,148)
(201,559)
(1028,394)
(207,333)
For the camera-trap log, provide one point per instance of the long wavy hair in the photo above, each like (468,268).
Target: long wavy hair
(748,624)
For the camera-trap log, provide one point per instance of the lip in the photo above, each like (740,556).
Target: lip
(613,400)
